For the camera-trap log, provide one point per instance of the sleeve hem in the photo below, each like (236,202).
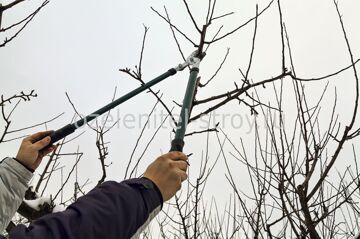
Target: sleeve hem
(30,169)
(18,169)
(157,190)
(149,188)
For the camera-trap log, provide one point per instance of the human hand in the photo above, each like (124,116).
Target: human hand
(34,148)
(168,172)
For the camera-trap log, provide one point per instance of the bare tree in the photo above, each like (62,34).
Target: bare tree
(292,193)
(295,190)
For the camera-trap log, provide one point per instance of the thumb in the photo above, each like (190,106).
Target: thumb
(39,145)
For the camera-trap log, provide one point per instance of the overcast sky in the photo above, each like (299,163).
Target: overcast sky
(79,46)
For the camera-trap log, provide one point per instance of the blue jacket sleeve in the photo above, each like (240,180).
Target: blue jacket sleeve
(112,211)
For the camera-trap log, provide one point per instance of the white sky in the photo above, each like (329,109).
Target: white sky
(78,47)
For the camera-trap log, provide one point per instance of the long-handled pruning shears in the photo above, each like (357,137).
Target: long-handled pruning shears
(193,61)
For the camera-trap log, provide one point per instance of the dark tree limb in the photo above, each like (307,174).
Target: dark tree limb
(10,5)
(234,95)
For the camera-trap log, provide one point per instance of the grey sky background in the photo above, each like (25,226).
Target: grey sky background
(78,47)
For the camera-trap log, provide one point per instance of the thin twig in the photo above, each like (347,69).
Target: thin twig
(28,20)
(191,16)
(172,25)
(241,26)
(217,70)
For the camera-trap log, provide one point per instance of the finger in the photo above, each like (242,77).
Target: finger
(47,150)
(39,145)
(175,155)
(182,175)
(180,164)
(35,137)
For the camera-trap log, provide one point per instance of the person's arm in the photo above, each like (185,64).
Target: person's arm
(113,210)
(13,185)
(15,173)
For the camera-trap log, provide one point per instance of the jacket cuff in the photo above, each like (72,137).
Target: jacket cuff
(149,190)
(18,169)
(30,169)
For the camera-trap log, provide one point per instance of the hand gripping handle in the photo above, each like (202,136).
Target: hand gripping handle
(62,133)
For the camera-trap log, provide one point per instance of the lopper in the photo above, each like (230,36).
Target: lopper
(177,144)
